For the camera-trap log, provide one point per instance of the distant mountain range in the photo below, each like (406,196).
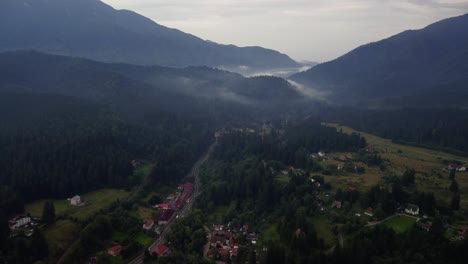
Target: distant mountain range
(145,89)
(94,30)
(427,67)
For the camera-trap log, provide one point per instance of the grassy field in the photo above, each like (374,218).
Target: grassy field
(270,233)
(95,201)
(60,236)
(431,174)
(282,179)
(324,231)
(145,239)
(400,223)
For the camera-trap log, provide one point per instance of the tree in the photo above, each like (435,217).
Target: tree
(39,248)
(253,257)
(455,203)
(48,212)
(452,174)
(4,230)
(408,177)
(453,186)
(339,195)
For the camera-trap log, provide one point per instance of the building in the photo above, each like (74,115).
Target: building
(412,209)
(369,212)
(148,225)
(19,221)
(115,250)
(160,250)
(165,216)
(75,200)
(163,206)
(336,204)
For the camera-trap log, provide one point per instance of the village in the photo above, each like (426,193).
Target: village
(226,241)
(349,163)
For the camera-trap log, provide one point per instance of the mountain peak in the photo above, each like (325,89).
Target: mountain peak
(94,30)
(408,64)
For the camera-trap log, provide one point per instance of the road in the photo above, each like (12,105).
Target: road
(195,173)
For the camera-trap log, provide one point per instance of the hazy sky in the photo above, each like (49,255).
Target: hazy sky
(317,30)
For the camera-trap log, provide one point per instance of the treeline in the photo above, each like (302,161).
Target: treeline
(291,147)
(443,129)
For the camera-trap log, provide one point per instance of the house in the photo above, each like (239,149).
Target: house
(75,200)
(370,149)
(163,206)
(369,212)
(298,232)
(321,154)
(115,250)
(148,225)
(165,216)
(336,204)
(171,196)
(19,221)
(136,163)
(412,209)
(160,250)
(424,225)
(340,166)
(349,156)
(342,158)
(457,167)
(463,234)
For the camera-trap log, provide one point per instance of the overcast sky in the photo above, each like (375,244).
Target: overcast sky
(316,30)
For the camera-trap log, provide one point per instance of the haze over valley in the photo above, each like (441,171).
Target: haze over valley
(124,140)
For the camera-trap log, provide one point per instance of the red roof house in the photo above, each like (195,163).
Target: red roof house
(115,250)
(163,206)
(148,224)
(159,250)
(165,216)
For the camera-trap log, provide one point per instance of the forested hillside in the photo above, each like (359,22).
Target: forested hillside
(425,67)
(56,146)
(444,129)
(94,30)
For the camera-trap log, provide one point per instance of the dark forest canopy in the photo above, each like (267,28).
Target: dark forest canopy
(66,146)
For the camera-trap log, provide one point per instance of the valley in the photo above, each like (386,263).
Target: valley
(126,141)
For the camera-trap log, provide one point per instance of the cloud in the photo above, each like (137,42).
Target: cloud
(317,30)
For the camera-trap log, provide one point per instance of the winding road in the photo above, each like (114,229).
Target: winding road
(195,173)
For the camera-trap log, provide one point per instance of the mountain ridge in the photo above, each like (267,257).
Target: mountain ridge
(94,30)
(410,62)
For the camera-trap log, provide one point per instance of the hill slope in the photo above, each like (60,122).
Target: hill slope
(94,30)
(409,64)
(144,89)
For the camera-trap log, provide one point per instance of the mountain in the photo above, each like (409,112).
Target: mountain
(94,30)
(414,64)
(144,89)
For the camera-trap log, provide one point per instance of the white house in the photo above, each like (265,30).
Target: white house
(462,169)
(75,200)
(19,222)
(412,209)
